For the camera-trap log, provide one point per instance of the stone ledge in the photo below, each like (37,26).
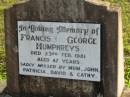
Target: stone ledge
(2,85)
(126,92)
(3,91)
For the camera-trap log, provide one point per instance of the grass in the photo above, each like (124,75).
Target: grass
(2,50)
(127,72)
(3,4)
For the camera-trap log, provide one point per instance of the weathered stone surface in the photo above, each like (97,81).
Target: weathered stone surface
(112,48)
(67,11)
(126,93)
